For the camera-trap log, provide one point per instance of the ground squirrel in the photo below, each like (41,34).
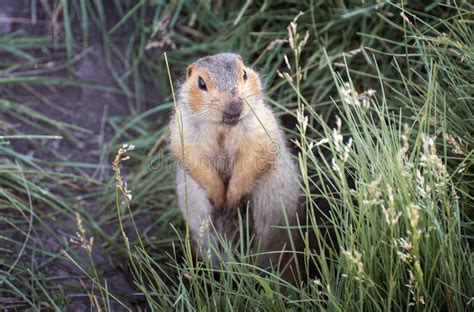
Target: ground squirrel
(230,151)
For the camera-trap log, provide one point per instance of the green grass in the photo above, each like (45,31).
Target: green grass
(400,193)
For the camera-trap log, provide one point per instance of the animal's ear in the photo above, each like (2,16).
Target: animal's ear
(240,58)
(189,70)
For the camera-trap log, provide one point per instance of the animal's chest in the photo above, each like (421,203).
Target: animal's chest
(225,154)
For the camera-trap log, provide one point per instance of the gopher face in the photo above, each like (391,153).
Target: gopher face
(220,88)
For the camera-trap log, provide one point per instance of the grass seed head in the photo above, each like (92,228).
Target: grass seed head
(119,180)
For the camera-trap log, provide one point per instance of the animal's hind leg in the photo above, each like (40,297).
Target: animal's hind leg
(194,205)
(205,222)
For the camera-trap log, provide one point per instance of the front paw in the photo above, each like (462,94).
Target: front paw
(233,198)
(217,197)
(217,201)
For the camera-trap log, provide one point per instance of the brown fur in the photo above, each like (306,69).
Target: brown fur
(222,167)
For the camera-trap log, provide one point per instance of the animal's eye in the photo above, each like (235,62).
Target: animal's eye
(202,84)
(245,75)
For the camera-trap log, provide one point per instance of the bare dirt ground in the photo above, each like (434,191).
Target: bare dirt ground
(86,108)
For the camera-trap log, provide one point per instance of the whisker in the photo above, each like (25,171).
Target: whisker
(253,94)
(205,112)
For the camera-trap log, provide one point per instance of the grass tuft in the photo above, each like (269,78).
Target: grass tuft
(377,100)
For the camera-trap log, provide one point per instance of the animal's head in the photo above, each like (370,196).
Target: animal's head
(220,88)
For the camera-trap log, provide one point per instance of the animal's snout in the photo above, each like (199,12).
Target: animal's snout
(233,109)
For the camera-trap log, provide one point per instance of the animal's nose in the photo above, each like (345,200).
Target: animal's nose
(233,109)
